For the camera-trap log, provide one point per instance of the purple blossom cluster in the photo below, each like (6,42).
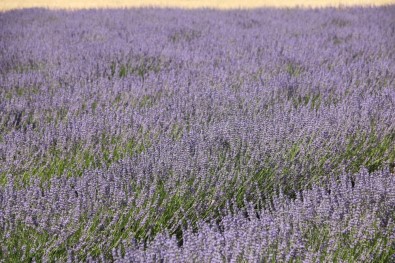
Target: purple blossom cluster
(314,227)
(165,135)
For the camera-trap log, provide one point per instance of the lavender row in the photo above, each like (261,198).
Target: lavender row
(93,218)
(341,223)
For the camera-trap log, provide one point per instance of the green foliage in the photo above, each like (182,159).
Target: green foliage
(140,66)
(293,69)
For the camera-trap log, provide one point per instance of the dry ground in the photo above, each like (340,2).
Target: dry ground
(222,4)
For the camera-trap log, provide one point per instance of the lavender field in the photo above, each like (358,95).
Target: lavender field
(168,135)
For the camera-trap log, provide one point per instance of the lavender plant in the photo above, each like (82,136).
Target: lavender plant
(154,135)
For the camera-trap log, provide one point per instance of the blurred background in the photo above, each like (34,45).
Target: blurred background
(222,4)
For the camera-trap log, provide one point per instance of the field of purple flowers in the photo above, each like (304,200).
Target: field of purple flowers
(164,135)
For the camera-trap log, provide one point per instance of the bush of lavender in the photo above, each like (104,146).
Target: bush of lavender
(165,135)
